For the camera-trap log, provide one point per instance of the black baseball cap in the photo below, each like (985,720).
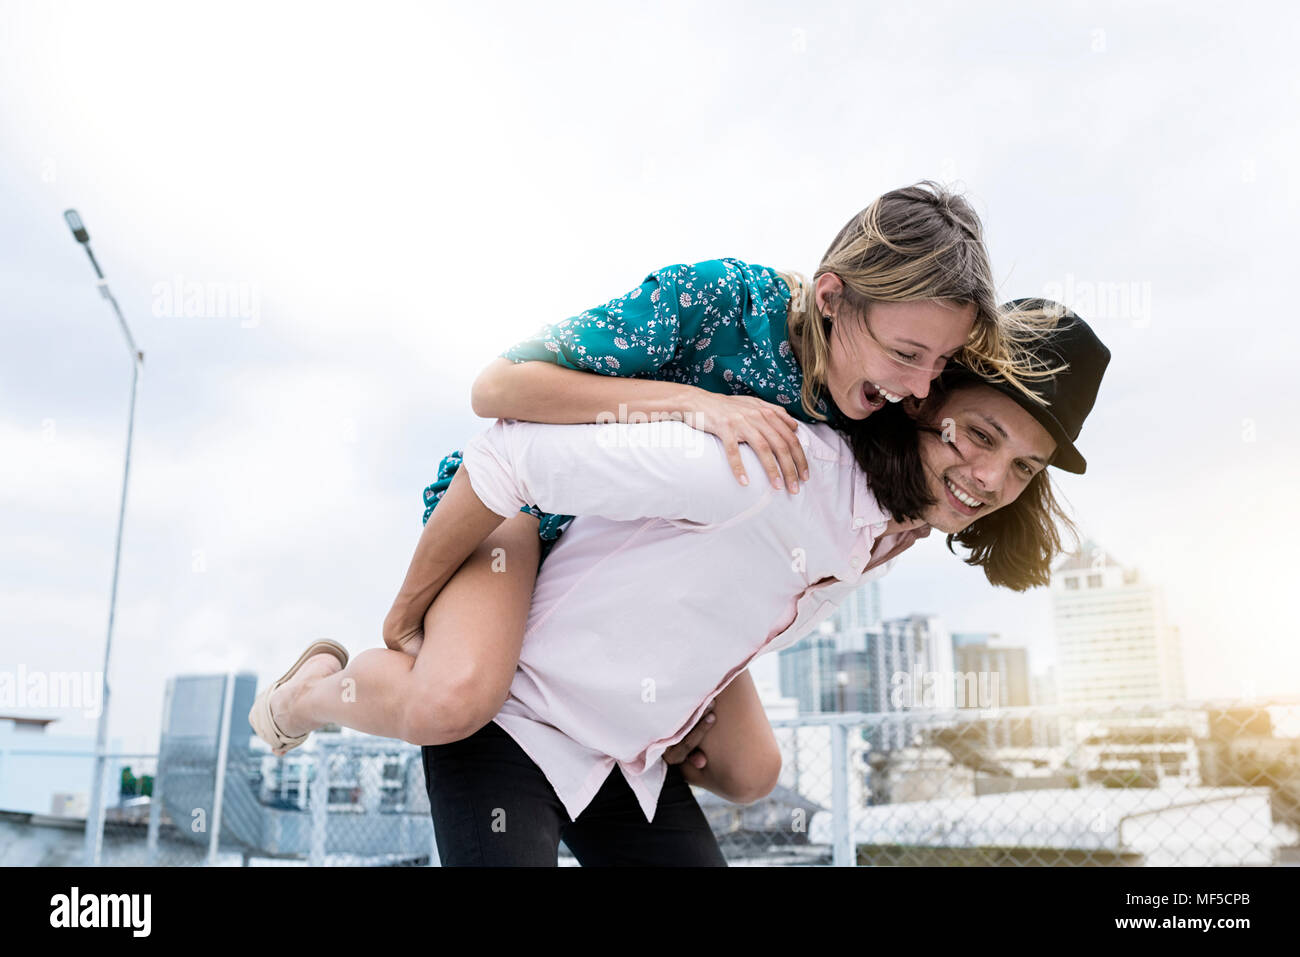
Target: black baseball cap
(1070,393)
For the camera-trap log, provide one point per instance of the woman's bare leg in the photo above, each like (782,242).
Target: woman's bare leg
(461,675)
(743,757)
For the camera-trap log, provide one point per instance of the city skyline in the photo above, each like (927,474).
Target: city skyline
(317,263)
(1119,645)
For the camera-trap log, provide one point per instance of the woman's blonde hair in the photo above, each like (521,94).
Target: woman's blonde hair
(915,243)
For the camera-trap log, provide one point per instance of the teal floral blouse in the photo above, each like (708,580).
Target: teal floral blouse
(718,324)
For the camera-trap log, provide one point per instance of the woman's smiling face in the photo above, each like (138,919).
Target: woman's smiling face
(893,352)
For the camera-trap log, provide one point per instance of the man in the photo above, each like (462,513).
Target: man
(674,578)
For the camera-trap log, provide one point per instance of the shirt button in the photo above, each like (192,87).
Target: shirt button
(859,522)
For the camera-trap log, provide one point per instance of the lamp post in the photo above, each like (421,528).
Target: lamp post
(95,810)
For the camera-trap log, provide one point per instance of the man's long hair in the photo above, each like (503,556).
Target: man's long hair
(1016,545)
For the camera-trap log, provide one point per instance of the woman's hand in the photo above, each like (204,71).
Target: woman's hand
(766,428)
(459,524)
(403,632)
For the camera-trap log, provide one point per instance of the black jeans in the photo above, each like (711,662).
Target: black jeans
(492,806)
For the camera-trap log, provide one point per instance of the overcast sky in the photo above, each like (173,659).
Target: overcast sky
(398,192)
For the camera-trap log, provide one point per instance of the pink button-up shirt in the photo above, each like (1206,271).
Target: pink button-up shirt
(670,581)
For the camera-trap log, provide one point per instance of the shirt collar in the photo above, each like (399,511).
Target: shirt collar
(868,516)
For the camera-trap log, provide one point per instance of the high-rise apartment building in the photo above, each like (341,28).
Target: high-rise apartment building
(1114,643)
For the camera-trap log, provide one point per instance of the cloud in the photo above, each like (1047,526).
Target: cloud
(410,192)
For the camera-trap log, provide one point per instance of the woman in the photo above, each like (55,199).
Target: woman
(736,350)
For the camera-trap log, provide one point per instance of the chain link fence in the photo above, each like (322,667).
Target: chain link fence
(1181,784)
(345,801)
(1162,784)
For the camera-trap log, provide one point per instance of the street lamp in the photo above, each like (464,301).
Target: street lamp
(95,810)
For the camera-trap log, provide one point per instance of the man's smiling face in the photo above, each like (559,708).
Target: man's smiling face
(987,450)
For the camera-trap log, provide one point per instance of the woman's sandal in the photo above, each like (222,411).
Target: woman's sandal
(259,716)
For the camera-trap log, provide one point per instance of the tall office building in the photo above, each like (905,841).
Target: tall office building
(1042,687)
(911,663)
(829,670)
(906,664)
(852,681)
(861,610)
(1114,643)
(988,669)
(963,638)
(807,672)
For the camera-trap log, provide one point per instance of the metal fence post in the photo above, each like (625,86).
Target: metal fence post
(219,782)
(320,795)
(842,848)
(155,798)
(94,847)
(155,817)
(794,747)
